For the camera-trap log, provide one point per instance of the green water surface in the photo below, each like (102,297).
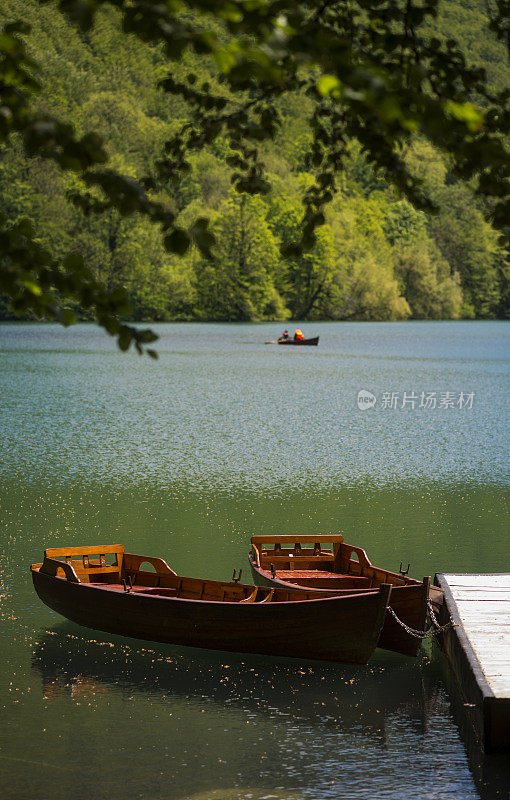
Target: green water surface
(187,457)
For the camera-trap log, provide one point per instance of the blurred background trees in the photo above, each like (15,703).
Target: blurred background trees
(375,256)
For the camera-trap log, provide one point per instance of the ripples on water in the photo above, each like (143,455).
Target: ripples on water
(187,457)
(220,409)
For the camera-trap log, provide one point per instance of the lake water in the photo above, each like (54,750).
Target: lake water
(188,457)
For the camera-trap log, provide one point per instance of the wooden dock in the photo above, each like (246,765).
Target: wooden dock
(478,649)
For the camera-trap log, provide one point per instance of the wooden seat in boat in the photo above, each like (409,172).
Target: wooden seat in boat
(330,579)
(156,591)
(288,574)
(86,565)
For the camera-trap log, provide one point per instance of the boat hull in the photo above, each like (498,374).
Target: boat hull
(343,629)
(408,602)
(299,342)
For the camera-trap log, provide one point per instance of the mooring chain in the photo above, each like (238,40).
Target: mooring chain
(410,631)
(437,628)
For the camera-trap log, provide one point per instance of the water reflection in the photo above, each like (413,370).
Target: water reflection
(322,730)
(320,694)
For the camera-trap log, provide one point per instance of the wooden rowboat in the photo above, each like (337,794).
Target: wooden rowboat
(278,561)
(105,588)
(311,342)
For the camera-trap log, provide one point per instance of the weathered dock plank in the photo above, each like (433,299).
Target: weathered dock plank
(478,648)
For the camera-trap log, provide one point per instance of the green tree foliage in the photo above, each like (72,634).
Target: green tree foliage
(432,293)
(241,285)
(372,293)
(470,248)
(158,284)
(332,113)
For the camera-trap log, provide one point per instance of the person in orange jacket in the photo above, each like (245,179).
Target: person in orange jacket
(298,336)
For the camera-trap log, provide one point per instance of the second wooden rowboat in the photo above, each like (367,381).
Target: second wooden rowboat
(107,589)
(326,563)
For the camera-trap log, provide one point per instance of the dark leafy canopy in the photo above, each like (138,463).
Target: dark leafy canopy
(369,68)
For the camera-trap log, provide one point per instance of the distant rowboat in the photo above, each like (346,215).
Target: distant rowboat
(125,598)
(310,342)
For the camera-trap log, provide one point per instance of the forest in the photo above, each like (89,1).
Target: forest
(375,258)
